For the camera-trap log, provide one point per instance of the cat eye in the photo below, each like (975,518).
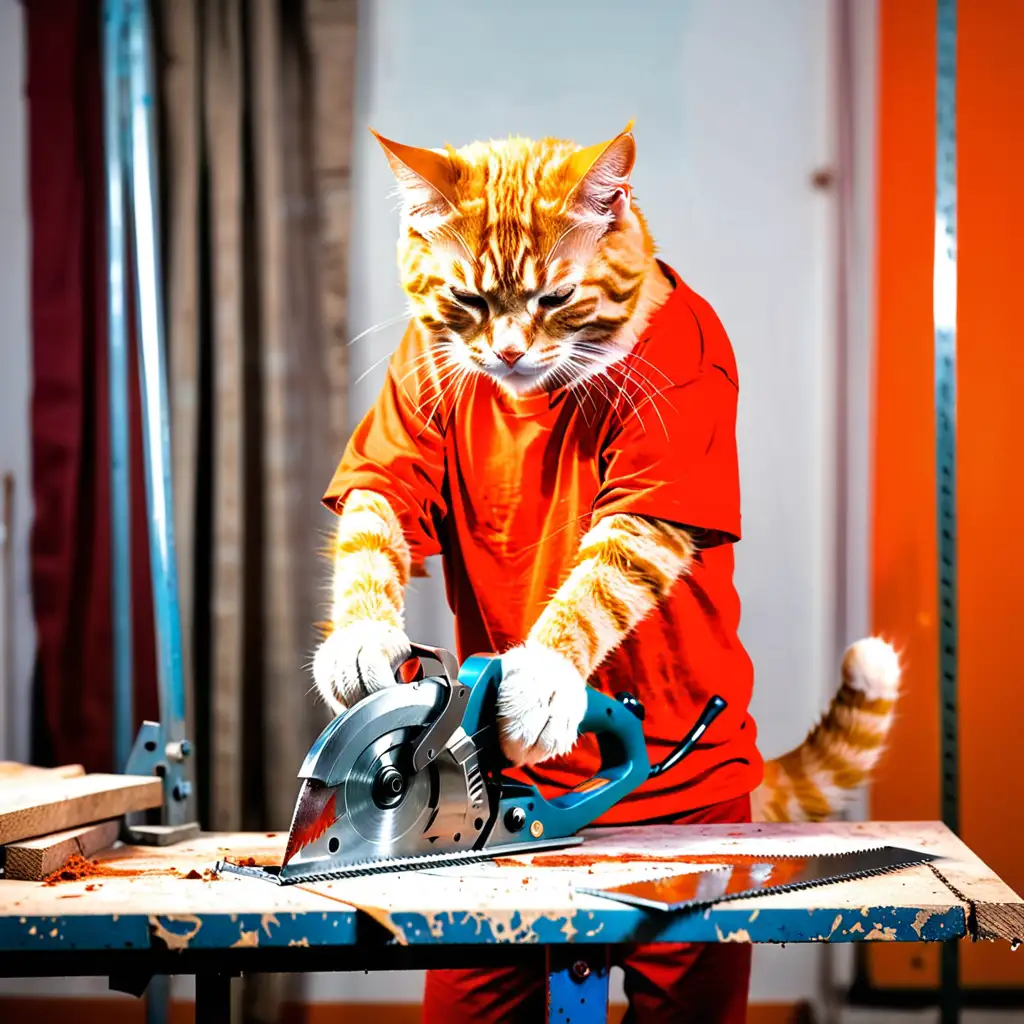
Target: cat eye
(470,299)
(559,298)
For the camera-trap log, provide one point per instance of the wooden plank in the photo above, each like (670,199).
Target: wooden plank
(13,771)
(35,859)
(35,810)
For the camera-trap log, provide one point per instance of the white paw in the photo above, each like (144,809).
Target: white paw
(873,667)
(541,702)
(357,660)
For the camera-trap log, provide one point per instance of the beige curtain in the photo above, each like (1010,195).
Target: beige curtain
(256,116)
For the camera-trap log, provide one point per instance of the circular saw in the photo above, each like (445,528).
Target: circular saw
(413,776)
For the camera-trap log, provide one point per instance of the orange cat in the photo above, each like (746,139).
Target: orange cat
(559,424)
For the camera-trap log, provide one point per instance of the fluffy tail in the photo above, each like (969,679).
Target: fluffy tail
(814,781)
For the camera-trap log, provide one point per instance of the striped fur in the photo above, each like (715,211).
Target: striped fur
(624,567)
(370,563)
(525,260)
(365,642)
(815,781)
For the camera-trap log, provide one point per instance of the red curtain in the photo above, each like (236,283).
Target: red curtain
(70,548)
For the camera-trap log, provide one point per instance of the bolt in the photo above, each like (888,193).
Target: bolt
(177,752)
(183,790)
(581,970)
(515,819)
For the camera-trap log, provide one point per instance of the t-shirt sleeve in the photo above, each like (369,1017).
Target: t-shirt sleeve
(673,457)
(397,450)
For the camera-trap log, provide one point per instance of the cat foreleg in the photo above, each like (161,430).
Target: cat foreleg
(624,566)
(370,568)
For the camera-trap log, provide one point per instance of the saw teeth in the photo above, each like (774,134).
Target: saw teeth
(393,864)
(440,860)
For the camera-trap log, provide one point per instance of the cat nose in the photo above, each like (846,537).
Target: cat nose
(510,354)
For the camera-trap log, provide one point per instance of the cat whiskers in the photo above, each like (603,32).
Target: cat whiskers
(596,374)
(447,380)
(389,322)
(421,359)
(563,375)
(647,388)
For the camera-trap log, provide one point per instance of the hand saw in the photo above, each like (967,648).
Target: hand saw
(739,877)
(412,776)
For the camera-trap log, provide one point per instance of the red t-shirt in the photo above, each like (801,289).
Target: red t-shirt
(504,489)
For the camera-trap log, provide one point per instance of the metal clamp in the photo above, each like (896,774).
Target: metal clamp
(440,731)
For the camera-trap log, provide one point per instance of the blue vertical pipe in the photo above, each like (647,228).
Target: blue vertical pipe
(944,317)
(120,482)
(156,432)
(155,414)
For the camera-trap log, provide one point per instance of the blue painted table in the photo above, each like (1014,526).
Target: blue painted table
(154,920)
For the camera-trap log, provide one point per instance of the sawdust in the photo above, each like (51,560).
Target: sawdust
(585,860)
(78,868)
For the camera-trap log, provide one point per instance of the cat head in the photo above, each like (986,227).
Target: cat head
(523,260)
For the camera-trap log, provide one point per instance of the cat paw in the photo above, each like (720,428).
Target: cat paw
(357,660)
(541,702)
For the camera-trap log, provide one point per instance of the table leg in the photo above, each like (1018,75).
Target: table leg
(577,984)
(213,999)
(158,999)
(949,987)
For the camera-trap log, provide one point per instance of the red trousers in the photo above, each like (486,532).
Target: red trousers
(664,982)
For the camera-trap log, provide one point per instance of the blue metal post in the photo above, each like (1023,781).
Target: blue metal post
(155,415)
(577,984)
(120,494)
(944,314)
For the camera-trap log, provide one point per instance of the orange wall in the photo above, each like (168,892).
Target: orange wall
(990,442)
(991,452)
(905,591)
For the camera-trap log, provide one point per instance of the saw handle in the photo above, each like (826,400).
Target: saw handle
(618,724)
(712,710)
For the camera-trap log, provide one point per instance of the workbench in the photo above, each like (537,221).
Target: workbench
(155,920)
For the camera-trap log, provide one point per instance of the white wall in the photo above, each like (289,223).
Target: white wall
(17,647)
(732,100)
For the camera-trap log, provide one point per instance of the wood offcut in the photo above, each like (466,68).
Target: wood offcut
(30,809)
(32,860)
(14,771)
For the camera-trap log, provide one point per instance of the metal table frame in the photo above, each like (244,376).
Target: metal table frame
(577,971)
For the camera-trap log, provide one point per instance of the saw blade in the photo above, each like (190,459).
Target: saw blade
(362,801)
(419,862)
(742,876)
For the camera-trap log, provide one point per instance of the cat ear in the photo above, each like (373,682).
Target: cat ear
(601,175)
(426,181)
